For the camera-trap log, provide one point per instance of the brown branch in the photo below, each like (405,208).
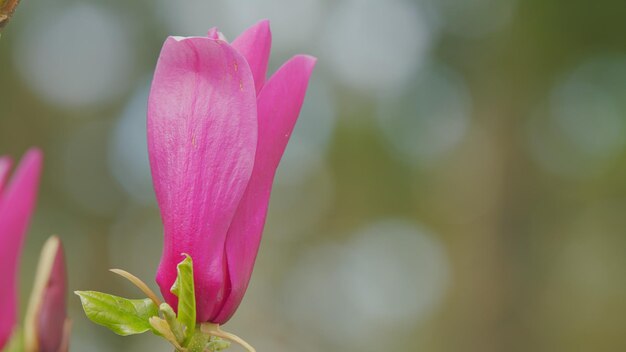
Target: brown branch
(6,11)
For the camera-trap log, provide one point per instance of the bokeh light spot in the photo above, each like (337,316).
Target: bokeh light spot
(128,150)
(430,118)
(76,56)
(390,275)
(375,45)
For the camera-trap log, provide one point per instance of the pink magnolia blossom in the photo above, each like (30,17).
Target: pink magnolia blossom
(46,327)
(17,201)
(216,133)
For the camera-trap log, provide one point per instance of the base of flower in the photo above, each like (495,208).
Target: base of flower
(215,330)
(128,317)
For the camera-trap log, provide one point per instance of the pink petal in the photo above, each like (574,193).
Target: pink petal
(47,311)
(202,133)
(214,33)
(5,167)
(16,205)
(279,105)
(255,44)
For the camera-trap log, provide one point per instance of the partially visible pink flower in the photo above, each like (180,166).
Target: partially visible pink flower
(216,133)
(46,327)
(17,201)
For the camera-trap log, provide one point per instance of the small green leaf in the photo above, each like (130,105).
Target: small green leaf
(177,328)
(183,288)
(163,329)
(122,316)
(218,344)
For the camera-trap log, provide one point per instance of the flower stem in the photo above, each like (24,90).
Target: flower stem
(198,342)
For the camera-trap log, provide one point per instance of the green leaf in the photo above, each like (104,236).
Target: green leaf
(175,326)
(163,329)
(218,344)
(183,288)
(122,316)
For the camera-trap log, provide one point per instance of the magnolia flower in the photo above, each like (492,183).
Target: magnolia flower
(216,133)
(17,201)
(46,327)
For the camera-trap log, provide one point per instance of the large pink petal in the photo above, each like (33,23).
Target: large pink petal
(279,104)
(16,205)
(202,133)
(5,167)
(255,44)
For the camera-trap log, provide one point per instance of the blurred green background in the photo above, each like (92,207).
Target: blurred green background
(456,182)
